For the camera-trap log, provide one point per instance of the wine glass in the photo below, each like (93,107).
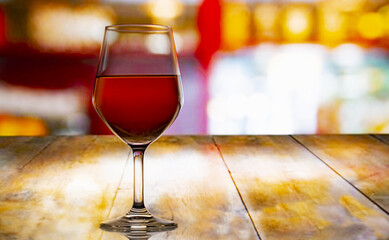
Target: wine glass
(138,95)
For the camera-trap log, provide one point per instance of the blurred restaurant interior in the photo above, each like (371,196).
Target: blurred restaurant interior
(248,67)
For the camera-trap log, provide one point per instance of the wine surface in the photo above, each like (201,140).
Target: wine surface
(138,108)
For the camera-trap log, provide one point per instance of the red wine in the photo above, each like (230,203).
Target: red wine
(138,108)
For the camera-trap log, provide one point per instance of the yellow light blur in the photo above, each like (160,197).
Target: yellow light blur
(165,9)
(371,25)
(61,28)
(235,25)
(331,26)
(345,5)
(265,19)
(297,25)
(384,11)
(22,126)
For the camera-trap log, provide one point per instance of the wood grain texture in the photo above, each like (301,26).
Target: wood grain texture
(16,152)
(363,160)
(382,137)
(290,194)
(187,181)
(63,187)
(65,191)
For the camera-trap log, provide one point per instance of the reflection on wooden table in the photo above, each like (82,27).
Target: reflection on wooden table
(221,187)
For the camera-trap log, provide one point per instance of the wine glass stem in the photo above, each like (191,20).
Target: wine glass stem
(138,178)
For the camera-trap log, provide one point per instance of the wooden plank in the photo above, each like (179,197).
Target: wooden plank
(290,194)
(65,191)
(16,152)
(383,137)
(363,160)
(4,141)
(187,181)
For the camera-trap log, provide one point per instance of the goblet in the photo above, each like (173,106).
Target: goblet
(138,94)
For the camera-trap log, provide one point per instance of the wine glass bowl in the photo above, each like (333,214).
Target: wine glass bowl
(138,94)
(138,91)
(138,108)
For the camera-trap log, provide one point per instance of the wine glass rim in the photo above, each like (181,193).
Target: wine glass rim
(138,28)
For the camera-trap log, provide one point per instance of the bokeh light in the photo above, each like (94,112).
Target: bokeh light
(165,9)
(235,24)
(158,44)
(265,20)
(371,25)
(236,56)
(62,28)
(297,23)
(347,5)
(332,26)
(22,126)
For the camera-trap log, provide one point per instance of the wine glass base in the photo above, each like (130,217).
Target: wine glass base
(138,224)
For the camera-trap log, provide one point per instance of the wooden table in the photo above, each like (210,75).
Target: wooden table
(215,187)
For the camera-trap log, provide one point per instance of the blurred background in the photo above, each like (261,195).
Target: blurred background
(248,67)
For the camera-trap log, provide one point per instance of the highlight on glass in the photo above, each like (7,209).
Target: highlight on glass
(138,94)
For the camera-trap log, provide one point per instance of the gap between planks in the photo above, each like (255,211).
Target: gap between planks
(380,138)
(236,187)
(39,152)
(347,181)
